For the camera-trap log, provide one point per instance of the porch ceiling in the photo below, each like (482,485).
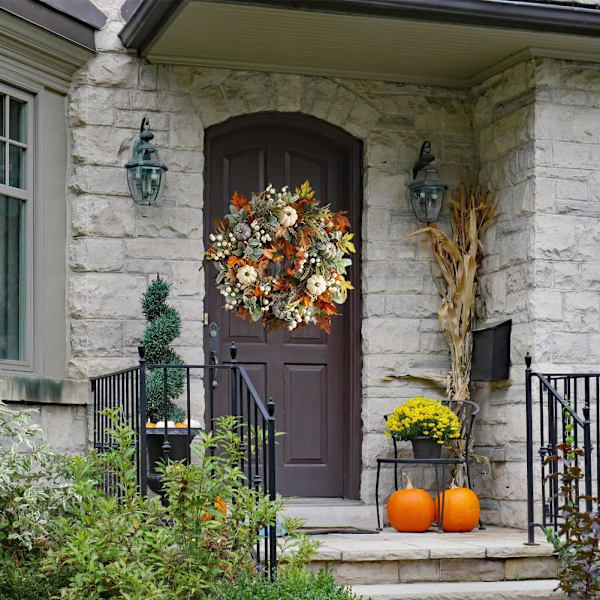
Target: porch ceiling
(372,46)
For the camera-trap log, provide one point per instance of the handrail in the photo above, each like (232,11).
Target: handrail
(564,418)
(558,397)
(253,392)
(126,389)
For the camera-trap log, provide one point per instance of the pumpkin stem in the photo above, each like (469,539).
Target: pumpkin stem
(409,485)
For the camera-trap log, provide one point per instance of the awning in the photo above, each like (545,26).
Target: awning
(439,42)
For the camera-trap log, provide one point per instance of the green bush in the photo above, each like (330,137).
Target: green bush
(133,547)
(295,584)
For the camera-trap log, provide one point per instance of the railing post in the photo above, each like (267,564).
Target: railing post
(234,379)
(142,416)
(529,411)
(166,446)
(587,449)
(272,488)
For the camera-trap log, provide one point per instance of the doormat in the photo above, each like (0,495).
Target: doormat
(325,530)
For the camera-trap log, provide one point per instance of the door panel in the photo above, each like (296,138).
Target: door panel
(312,377)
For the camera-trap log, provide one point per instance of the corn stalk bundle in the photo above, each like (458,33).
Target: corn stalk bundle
(458,257)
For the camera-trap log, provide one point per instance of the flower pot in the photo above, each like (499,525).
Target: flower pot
(426,447)
(178,439)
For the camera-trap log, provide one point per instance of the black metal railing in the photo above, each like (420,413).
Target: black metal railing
(126,390)
(567,407)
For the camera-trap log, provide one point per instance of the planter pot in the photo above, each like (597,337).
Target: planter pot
(426,447)
(178,438)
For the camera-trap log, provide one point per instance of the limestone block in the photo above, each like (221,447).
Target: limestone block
(412,305)
(465,569)
(419,570)
(149,267)
(388,251)
(349,573)
(582,311)
(405,276)
(545,305)
(376,224)
(96,254)
(514,248)
(91,106)
(160,221)
(109,69)
(381,150)
(555,237)
(362,118)
(103,216)
(572,189)
(385,189)
(185,188)
(288,91)
(129,118)
(581,78)
(392,335)
(107,39)
(318,96)
(341,105)
(530,568)
(105,295)
(88,179)
(148,78)
(567,123)
(107,146)
(373,305)
(570,348)
(96,338)
(83,368)
(442,115)
(164,249)
(185,131)
(590,275)
(186,161)
(145,100)
(211,106)
(65,428)
(133,331)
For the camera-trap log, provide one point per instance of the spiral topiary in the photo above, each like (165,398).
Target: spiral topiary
(164,326)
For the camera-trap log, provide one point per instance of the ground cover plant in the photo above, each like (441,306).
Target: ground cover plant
(63,538)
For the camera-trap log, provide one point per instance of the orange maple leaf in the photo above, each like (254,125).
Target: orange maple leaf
(239,201)
(342,222)
(232,261)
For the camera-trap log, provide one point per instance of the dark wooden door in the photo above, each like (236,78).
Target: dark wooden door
(313,378)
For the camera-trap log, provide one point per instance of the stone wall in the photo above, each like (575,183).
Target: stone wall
(503,124)
(541,251)
(116,247)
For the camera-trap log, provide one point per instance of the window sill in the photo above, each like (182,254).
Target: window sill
(42,390)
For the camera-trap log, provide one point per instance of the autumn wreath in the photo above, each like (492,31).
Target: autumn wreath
(281,258)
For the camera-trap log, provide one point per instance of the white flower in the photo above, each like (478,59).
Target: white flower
(316,285)
(288,217)
(212,237)
(246,274)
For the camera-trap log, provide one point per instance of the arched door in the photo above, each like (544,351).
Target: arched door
(314,378)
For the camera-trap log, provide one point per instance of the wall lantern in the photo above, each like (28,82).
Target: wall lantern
(428,190)
(145,171)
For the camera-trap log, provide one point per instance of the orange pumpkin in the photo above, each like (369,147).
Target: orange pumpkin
(461,509)
(220,505)
(150,425)
(410,509)
(181,425)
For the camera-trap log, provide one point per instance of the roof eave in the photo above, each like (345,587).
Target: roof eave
(152,17)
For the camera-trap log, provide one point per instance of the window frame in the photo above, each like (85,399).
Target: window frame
(27,195)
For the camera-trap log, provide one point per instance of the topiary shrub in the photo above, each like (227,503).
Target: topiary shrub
(164,326)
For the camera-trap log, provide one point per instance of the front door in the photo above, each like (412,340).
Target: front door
(313,378)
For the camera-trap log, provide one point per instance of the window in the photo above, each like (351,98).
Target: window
(16,195)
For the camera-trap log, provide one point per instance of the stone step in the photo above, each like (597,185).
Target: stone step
(389,557)
(497,590)
(332,512)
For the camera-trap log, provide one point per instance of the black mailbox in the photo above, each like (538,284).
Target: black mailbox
(490,360)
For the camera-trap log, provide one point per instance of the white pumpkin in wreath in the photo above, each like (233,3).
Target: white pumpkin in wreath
(316,285)
(288,217)
(246,275)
